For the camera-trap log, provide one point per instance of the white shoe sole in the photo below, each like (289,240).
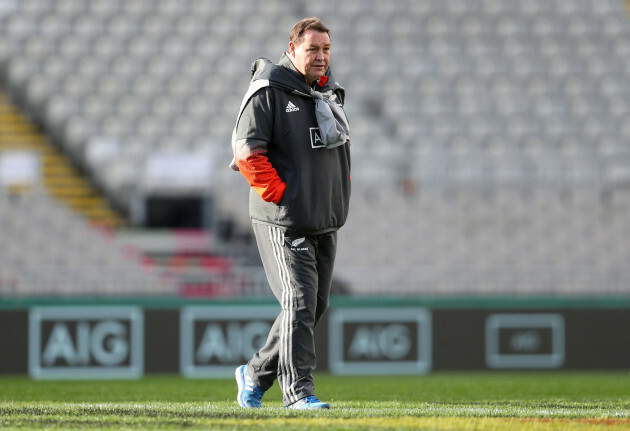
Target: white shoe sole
(239,381)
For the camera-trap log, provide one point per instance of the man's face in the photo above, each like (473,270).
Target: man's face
(311,57)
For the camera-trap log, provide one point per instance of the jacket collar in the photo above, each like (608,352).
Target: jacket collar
(284,75)
(285,61)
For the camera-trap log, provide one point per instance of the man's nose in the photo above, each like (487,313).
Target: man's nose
(320,55)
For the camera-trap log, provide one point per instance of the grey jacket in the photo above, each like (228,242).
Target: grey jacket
(277,119)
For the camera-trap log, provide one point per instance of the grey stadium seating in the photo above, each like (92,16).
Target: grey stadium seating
(47,250)
(490,137)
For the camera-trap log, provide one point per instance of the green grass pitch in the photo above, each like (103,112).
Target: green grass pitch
(438,401)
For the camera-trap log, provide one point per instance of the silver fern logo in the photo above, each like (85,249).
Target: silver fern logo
(297,242)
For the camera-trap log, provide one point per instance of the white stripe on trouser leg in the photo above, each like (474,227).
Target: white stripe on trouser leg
(282,359)
(285,352)
(287,328)
(290,317)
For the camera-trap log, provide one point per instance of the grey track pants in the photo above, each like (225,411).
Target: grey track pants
(299,271)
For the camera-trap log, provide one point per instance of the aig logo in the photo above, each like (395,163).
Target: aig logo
(215,340)
(384,341)
(316,138)
(95,343)
(525,340)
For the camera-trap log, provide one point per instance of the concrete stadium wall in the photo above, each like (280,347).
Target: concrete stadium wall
(125,338)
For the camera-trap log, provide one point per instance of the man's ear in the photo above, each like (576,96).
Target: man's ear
(291,49)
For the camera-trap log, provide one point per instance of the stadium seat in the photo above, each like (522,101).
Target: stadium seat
(471,104)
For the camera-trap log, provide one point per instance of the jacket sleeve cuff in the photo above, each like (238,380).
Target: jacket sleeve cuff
(262,177)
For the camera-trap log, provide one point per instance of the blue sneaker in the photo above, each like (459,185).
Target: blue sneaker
(249,395)
(309,403)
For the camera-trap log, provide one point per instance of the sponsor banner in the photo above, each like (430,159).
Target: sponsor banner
(214,340)
(379,341)
(529,340)
(86,343)
(99,342)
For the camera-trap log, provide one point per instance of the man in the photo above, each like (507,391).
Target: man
(291,144)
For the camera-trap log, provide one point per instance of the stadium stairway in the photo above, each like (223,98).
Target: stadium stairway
(59,178)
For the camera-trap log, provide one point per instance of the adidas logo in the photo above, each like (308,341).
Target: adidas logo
(291,107)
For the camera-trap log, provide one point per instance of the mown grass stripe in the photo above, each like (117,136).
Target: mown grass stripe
(312,423)
(440,401)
